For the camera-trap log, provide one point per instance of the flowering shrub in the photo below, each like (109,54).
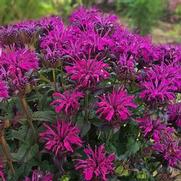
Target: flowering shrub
(89,100)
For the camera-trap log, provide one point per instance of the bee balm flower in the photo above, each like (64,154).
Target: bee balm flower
(98,163)
(87,73)
(115,106)
(68,102)
(61,137)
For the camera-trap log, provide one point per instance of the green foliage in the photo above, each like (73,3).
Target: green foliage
(178,11)
(143,14)
(16,10)
(20,10)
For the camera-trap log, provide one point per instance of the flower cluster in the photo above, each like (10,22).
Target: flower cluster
(97,165)
(164,141)
(167,146)
(106,73)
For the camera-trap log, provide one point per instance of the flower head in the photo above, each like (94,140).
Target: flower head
(87,73)
(97,164)
(38,175)
(51,42)
(83,18)
(19,34)
(61,137)
(50,23)
(159,86)
(166,145)
(3,90)
(125,67)
(24,59)
(148,125)
(164,141)
(115,106)
(168,54)
(174,114)
(67,102)
(16,66)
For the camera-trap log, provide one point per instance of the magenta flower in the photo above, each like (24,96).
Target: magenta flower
(158,86)
(168,54)
(16,66)
(148,125)
(98,163)
(24,59)
(61,137)
(83,18)
(67,102)
(164,142)
(125,67)
(166,145)
(50,23)
(3,90)
(87,73)
(51,44)
(174,114)
(38,175)
(2,176)
(115,106)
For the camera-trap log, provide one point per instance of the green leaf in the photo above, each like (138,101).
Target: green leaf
(65,178)
(21,133)
(84,126)
(119,170)
(44,116)
(132,146)
(25,153)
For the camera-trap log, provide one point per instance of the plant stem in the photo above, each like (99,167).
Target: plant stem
(25,107)
(61,77)
(6,152)
(54,78)
(86,106)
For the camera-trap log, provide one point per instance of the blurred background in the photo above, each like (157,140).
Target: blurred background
(160,19)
